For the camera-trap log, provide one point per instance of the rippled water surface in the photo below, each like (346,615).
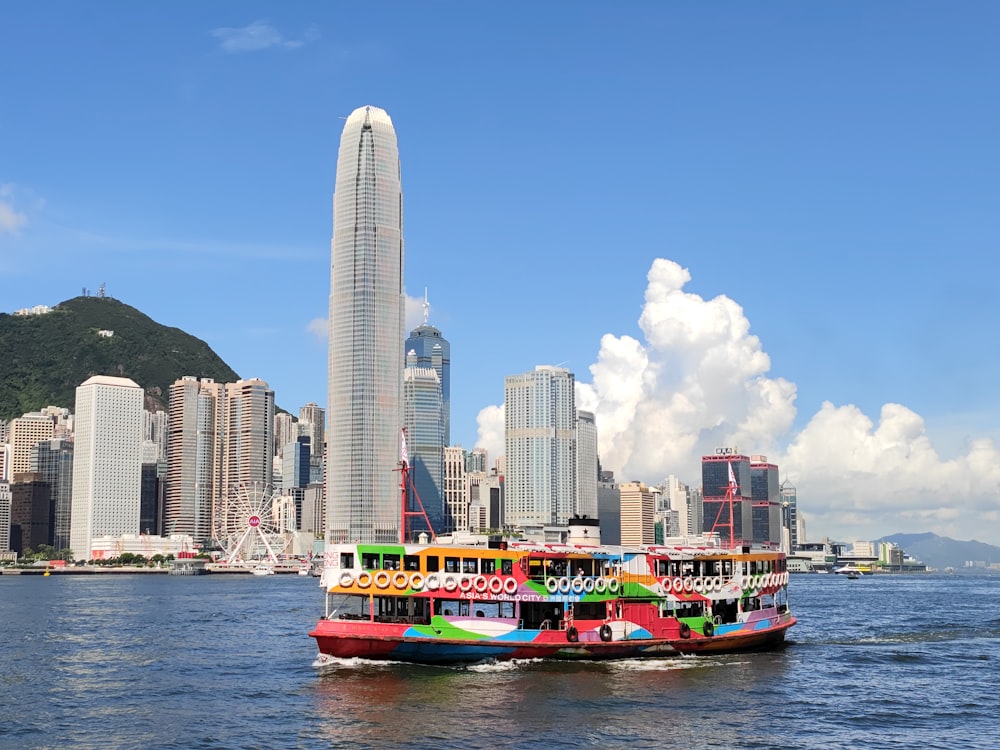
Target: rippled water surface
(154,661)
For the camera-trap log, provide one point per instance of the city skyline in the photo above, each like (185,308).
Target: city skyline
(793,259)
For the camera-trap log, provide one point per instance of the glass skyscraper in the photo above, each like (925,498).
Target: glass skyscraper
(433,350)
(423,417)
(366,354)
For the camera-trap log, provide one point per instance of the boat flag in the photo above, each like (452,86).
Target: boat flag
(732,479)
(403,455)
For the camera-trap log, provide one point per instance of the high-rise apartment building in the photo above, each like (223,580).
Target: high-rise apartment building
(106,461)
(540,447)
(586,465)
(194,451)
(312,424)
(248,440)
(423,420)
(366,354)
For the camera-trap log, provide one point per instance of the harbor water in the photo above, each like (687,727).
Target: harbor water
(224,661)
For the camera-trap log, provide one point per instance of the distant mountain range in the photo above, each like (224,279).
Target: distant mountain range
(43,358)
(941,552)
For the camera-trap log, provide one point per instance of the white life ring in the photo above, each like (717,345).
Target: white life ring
(613,585)
(479,583)
(552,585)
(601,585)
(433,582)
(688,585)
(564,585)
(364,579)
(496,585)
(449,583)
(400,580)
(577,585)
(510,585)
(588,585)
(678,585)
(382,580)
(465,584)
(717,583)
(416,582)
(699,584)
(346,579)
(666,583)
(784,578)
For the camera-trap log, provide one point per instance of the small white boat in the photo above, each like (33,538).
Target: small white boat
(263,570)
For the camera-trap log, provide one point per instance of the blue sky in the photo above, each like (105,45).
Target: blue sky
(770,225)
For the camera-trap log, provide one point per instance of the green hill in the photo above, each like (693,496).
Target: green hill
(43,358)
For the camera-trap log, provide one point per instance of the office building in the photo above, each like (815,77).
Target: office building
(52,461)
(765,501)
(638,508)
(366,336)
(726,509)
(423,420)
(586,465)
(106,461)
(789,517)
(431,349)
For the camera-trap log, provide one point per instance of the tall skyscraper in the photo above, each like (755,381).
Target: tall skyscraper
(423,419)
(789,517)
(221,438)
(433,350)
(366,354)
(107,460)
(540,447)
(53,461)
(194,451)
(586,459)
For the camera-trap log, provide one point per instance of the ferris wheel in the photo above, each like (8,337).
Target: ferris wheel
(255,524)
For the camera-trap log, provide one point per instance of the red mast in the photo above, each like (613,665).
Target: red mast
(405,485)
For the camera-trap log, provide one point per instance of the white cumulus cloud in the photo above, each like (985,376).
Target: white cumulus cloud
(700,380)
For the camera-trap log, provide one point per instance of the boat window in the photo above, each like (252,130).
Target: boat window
(489,566)
(711,567)
(370,561)
(347,560)
(727,567)
(662,566)
(390,562)
(411,562)
(433,563)
(470,564)
(507,567)
(675,568)
(451,565)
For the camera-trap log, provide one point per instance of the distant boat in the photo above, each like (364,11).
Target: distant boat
(263,570)
(850,571)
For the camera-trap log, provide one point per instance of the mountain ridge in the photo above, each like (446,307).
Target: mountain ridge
(942,552)
(47,355)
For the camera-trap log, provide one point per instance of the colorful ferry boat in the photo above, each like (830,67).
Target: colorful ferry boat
(441,603)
